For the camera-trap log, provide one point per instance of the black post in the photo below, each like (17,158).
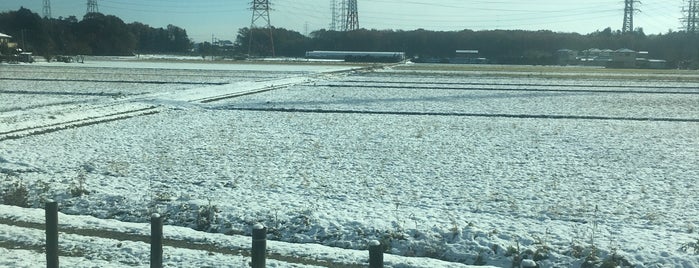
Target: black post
(259,246)
(375,254)
(156,241)
(51,234)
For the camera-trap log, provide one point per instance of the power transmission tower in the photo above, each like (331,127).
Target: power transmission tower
(92,6)
(260,12)
(333,18)
(342,17)
(691,19)
(47,9)
(629,10)
(352,17)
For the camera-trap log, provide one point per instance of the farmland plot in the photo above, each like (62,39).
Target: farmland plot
(472,169)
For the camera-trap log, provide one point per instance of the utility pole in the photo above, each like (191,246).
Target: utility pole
(24,44)
(629,10)
(260,12)
(47,9)
(92,6)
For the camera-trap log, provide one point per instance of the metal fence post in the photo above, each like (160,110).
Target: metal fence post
(259,246)
(375,254)
(51,234)
(156,241)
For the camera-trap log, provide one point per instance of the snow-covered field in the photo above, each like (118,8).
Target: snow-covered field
(466,168)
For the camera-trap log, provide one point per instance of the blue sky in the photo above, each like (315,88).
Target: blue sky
(222,18)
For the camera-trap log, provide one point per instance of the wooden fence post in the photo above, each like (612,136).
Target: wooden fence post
(259,246)
(156,241)
(51,211)
(375,254)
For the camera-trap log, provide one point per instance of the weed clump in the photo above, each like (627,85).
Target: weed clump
(691,247)
(16,195)
(77,188)
(206,216)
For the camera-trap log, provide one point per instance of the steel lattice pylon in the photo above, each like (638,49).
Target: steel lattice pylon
(691,18)
(342,17)
(260,13)
(333,17)
(352,17)
(92,6)
(47,9)
(629,10)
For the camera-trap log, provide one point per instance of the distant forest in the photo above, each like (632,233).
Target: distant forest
(98,34)
(95,34)
(500,46)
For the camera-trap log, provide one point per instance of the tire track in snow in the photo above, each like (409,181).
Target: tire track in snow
(114,81)
(38,106)
(43,129)
(517,116)
(60,93)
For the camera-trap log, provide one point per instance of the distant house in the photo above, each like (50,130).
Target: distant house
(567,57)
(5,39)
(623,58)
(644,61)
(595,57)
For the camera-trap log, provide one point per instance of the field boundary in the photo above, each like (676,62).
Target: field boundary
(518,89)
(518,84)
(519,116)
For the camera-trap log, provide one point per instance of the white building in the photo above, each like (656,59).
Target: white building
(356,55)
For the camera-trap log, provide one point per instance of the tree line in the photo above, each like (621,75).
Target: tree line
(99,34)
(95,34)
(500,46)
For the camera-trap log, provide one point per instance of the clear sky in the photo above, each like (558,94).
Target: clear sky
(223,18)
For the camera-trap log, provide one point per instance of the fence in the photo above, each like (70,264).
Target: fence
(258,248)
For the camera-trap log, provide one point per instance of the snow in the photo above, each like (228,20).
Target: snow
(122,252)
(445,175)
